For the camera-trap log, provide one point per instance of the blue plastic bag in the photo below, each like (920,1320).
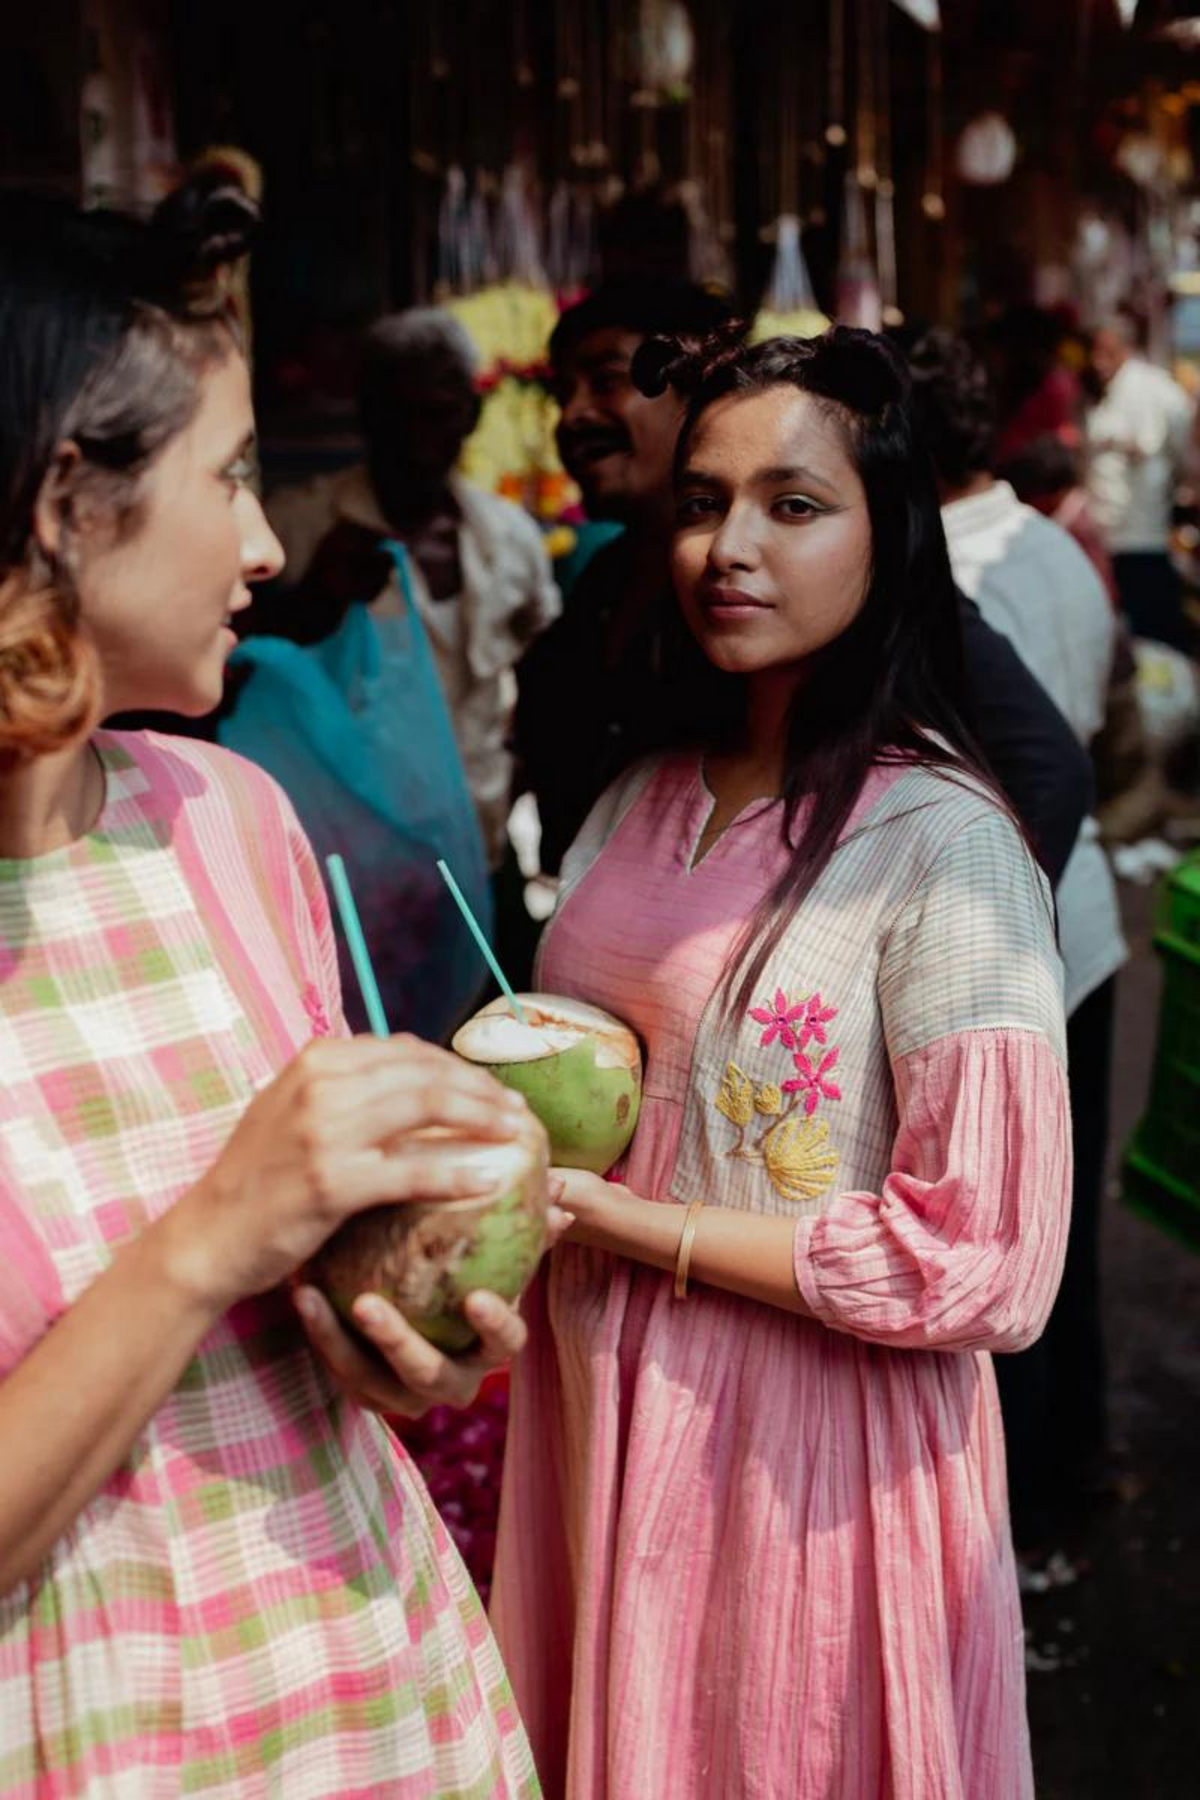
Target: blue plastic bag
(357,732)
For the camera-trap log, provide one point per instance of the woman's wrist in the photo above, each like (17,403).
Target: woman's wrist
(624,1224)
(181,1256)
(744,1253)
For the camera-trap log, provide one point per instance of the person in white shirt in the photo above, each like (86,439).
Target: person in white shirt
(1137,436)
(481,577)
(1034,584)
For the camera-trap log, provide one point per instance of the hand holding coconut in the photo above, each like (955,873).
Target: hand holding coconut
(408,1374)
(334,1134)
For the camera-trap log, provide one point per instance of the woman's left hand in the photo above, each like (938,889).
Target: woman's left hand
(588,1198)
(410,1375)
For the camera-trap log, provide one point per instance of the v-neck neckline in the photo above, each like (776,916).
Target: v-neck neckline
(754,808)
(881,778)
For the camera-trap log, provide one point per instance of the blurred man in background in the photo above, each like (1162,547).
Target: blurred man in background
(591,691)
(1034,584)
(1137,437)
(481,579)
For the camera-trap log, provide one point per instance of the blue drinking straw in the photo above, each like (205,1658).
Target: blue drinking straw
(477,934)
(359,954)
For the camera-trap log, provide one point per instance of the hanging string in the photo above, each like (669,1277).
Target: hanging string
(720,136)
(933,200)
(788,76)
(523,69)
(644,102)
(700,189)
(835,128)
(568,89)
(812,137)
(866,173)
(885,191)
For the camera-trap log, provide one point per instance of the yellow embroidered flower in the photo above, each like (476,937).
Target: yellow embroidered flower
(769,1101)
(736,1098)
(799,1159)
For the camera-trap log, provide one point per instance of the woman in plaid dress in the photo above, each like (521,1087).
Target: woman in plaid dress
(218,1572)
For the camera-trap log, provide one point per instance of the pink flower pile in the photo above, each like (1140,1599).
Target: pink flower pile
(460,1453)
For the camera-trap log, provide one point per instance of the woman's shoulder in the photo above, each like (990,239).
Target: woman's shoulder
(199,774)
(950,793)
(927,808)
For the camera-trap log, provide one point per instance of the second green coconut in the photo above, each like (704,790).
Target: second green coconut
(579,1068)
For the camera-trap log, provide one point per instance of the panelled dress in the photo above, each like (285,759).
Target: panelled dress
(746,1555)
(262,1600)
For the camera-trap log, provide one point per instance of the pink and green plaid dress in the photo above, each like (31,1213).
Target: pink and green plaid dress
(262,1601)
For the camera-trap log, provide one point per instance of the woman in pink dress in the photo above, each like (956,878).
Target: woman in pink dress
(219,1573)
(754,1541)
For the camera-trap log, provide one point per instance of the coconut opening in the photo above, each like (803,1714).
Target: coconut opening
(553,1025)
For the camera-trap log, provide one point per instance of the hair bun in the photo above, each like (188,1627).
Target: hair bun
(860,369)
(682,363)
(659,363)
(208,220)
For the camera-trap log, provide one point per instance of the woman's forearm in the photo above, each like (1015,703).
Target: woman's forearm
(744,1253)
(71,1411)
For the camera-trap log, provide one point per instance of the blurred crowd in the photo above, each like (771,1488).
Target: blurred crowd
(912,615)
(436,672)
(1069,470)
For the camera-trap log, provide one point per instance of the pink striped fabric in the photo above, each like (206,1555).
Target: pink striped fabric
(743,1555)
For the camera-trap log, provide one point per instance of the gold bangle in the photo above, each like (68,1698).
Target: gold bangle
(683,1257)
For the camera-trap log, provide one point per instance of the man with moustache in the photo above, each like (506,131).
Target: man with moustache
(591,697)
(594,694)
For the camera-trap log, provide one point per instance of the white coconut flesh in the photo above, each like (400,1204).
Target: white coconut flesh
(496,1036)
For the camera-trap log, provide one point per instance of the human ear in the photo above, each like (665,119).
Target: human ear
(53,507)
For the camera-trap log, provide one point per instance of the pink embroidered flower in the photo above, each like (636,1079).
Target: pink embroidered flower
(311,1000)
(813,1083)
(778,1018)
(816,1018)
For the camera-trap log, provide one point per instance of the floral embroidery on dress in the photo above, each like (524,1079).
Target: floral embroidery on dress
(799,1160)
(778,1017)
(816,1017)
(814,1084)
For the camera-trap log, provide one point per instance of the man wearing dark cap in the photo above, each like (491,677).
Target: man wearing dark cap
(591,700)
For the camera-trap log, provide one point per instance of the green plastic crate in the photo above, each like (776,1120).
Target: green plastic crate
(1169,1131)
(1157,1194)
(1178,1038)
(1161,1167)
(1178,908)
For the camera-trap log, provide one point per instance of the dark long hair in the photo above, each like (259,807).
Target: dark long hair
(891,687)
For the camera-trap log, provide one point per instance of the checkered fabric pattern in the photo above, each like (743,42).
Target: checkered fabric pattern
(262,1601)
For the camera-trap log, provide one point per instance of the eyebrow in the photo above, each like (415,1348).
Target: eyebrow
(761,477)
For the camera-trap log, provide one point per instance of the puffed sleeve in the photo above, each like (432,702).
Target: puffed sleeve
(963,1247)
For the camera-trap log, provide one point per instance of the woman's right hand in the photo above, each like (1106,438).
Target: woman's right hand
(330,1136)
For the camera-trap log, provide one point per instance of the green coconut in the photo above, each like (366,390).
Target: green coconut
(426,1256)
(579,1068)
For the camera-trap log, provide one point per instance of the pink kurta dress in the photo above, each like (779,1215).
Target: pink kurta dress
(261,1600)
(746,1555)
